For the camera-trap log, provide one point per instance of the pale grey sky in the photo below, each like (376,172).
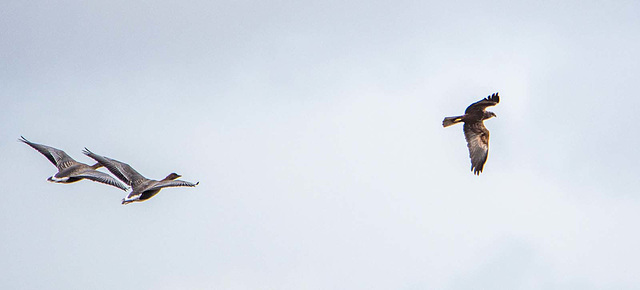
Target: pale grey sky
(315,131)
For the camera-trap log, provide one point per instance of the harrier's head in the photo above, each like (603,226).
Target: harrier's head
(488,115)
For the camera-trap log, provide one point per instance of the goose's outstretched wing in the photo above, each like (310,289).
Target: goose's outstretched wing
(172,183)
(101,177)
(58,157)
(121,170)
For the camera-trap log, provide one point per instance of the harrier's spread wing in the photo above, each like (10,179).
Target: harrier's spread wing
(477,137)
(483,104)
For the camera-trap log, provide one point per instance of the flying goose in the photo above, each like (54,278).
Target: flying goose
(69,170)
(142,187)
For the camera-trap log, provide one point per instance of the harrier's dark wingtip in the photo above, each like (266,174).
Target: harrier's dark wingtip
(476,171)
(494,97)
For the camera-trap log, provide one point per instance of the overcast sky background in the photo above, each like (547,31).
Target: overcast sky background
(314,129)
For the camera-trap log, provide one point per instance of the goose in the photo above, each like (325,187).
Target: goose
(69,170)
(142,187)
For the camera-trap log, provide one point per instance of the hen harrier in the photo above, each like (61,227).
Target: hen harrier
(475,132)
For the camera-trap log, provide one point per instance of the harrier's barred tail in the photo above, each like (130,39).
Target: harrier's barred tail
(448,121)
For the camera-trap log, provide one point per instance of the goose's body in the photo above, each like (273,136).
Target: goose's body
(69,170)
(142,187)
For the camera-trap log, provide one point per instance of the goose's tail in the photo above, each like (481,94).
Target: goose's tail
(448,121)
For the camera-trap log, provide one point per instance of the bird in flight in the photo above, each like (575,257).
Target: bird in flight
(69,170)
(475,132)
(142,187)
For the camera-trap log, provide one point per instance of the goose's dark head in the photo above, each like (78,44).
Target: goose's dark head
(96,166)
(172,176)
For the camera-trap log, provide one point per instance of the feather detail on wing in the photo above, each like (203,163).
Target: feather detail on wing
(172,183)
(102,178)
(477,137)
(489,101)
(58,157)
(121,170)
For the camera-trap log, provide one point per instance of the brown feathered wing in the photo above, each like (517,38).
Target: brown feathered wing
(481,105)
(477,137)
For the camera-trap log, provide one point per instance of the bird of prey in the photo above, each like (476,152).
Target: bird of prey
(142,187)
(475,132)
(69,170)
